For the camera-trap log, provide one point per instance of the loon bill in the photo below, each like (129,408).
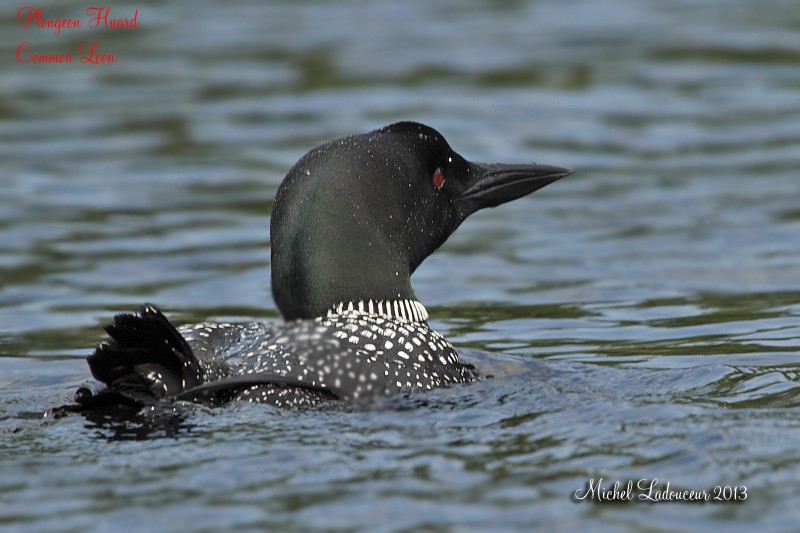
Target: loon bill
(351,222)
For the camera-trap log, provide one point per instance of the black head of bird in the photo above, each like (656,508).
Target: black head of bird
(356,216)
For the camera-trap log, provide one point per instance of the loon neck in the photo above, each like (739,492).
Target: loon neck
(404,310)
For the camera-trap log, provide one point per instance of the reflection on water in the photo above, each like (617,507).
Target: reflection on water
(639,319)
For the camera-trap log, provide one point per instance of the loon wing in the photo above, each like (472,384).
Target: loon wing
(237,383)
(147,360)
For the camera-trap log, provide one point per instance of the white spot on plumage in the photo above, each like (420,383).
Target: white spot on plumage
(311,350)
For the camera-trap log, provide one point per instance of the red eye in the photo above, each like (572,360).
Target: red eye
(438,179)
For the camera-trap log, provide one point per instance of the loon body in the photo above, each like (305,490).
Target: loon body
(351,222)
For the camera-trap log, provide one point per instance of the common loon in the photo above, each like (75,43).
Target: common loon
(351,222)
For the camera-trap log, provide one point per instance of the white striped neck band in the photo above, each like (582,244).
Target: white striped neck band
(404,310)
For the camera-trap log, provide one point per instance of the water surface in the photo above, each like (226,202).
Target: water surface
(641,318)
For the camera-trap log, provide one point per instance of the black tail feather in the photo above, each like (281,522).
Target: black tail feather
(146,362)
(146,359)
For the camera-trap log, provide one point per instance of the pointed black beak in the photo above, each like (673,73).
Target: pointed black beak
(497,183)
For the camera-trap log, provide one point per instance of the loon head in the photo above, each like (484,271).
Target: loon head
(356,216)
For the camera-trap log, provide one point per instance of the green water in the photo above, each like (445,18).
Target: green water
(641,317)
